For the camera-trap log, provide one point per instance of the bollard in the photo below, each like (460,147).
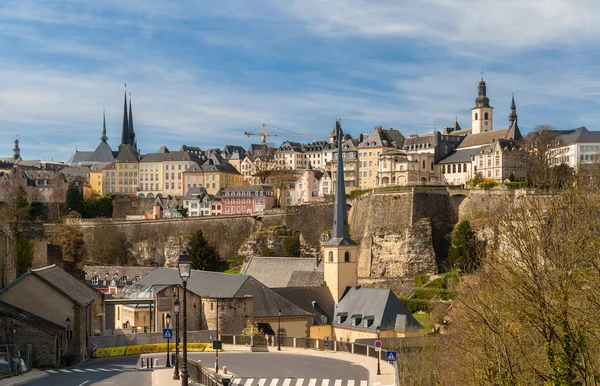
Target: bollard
(224,370)
(142,363)
(156,362)
(151,363)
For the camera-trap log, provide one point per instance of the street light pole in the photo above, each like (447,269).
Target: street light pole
(176,364)
(68,322)
(217,336)
(279,330)
(168,326)
(185,269)
(378,330)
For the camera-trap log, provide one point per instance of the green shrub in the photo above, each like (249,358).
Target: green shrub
(433,293)
(267,252)
(516,185)
(357,193)
(420,280)
(415,305)
(487,184)
(291,247)
(437,283)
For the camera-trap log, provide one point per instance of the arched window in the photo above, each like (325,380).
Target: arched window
(465,168)
(330,256)
(423,164)
(486,115)
(432,166)
(459,168)
(443,168)
(454,168)
(347,257)
(476,116)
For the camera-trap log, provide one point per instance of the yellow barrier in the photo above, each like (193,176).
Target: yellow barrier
(117,351)
(102,352)
(148,349)
(132,350)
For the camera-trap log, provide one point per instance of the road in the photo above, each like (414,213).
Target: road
(121,371)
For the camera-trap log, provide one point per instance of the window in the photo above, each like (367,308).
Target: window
(330,256)
(454,168)
(94,280)
(464,168)
(459,168)
(423,164)
(476,116)
(486,116)
(347,257)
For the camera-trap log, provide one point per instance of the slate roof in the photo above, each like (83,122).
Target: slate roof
(462,155)
(76,171)
(179,156)
(215,285)
(581,135)
(418,140)
(383,138)
(381,304)
(154,157)
(31,319)
(80,157)
(316,301)
(102,270)
(199,192)
(276,272)
(61,281)
(484,138)
(127,154)
(103,153)
(306,279)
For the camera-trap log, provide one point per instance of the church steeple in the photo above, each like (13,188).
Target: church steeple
(481,114)
(512,116)
(125,127)
(16,150)
(340,254)
(103,138)
(482,100)
(132,139)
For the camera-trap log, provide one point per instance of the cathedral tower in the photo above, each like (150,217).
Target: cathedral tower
(16,150)
(125,127)
(340,254)
(482,112)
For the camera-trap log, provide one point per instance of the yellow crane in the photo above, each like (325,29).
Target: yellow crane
(262,133)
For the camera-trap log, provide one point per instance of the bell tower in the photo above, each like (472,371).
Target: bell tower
(481,114)
(340,254)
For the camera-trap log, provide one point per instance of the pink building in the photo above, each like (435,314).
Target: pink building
(247,199)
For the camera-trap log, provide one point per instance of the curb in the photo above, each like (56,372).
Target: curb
(44,374)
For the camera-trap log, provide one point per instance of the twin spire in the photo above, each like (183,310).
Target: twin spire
(127,132)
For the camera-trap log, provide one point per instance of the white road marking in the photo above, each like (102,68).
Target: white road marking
(312,382)
(325,382)
(92,370)
(287,381)
(52,371)
(351,382)
(64,371)
(364,383)
(262,381)
(299,381)
(338,382)
(78,371)
(236,381)
(101,369)
(81,384)
(274,381)
(249,382)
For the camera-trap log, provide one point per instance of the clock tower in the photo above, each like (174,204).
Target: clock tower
(481,114)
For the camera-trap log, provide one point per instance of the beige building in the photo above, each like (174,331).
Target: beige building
(396,167)
(175,164)
(369,150)
(290,155)
(152,175)
(127,163)
(351,163)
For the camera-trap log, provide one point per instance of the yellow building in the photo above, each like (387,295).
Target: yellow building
(96,177)
(127,170)
(134,316)
(369,150)
(175,164)
(212,177)
(152,174)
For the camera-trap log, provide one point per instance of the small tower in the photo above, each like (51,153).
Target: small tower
(482,112)
(16,150)
(512,116)
(125,127)
(103,138)
(340,254)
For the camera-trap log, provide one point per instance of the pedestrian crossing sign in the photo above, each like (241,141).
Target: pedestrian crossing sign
(167,333)
(390,356)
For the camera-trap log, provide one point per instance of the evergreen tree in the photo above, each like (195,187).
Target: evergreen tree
(204,256)
(23,256)
(463,253)
(75,199)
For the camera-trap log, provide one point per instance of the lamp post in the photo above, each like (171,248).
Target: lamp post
(279,330)
(217,348)
(185,269)
(13,329)
(68,322)
(176,364)
(378,331)
(168,317)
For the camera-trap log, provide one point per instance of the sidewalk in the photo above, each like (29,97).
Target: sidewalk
(23,378)
(165,376)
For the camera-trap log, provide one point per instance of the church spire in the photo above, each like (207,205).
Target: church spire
(125,127)
(103,138)
(340,234)
(132,139)
(16,150)
(512,117)
(482,100)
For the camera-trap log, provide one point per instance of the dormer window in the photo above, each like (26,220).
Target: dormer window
(367,321)
(323,319)
(94,280)
(341,317)
(356,319)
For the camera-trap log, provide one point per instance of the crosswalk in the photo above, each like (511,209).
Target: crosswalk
(296,382)
(90,370)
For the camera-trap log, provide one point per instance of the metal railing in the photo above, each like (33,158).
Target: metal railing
(200,374)
(14,359)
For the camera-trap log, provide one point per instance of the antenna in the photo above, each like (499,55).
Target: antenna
(481,72)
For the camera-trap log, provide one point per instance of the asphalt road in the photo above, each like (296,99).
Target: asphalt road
(121,371)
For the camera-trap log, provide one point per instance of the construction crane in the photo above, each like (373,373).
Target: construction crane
(262,133)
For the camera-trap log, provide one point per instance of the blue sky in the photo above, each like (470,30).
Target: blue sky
(203,72)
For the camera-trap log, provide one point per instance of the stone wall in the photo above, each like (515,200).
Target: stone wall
(44,343)
(124,206)
(124,339)
(232,312)
(481,203)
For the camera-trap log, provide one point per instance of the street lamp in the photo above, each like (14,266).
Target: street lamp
(176,364)
(217,344)
(68,322)
(168,318)
(279,330)
(185,269)
(378,331)
(13,328)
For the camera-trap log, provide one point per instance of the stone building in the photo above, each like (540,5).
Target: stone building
(396,167)
(54,295)
(370,148)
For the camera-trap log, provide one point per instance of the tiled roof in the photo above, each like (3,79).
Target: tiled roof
(154,157)
(316,301)
(76,171)
(65,283)
(103,153)
(102,270)
(484,138)
(249,188)
(462,155)
(276,272)
(80,157)
(306,279)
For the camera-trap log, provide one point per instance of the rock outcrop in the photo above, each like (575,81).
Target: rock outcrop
(165,252)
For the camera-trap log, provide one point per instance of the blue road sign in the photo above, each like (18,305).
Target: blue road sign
(167,333)
(326,342)
(390,356)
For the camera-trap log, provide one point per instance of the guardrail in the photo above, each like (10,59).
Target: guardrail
(200,374)
(146,349)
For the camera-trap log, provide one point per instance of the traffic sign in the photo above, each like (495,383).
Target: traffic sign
(326,343)
(378,343)
(390,356)
(167,333)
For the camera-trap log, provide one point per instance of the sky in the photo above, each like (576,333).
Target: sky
(202,72)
